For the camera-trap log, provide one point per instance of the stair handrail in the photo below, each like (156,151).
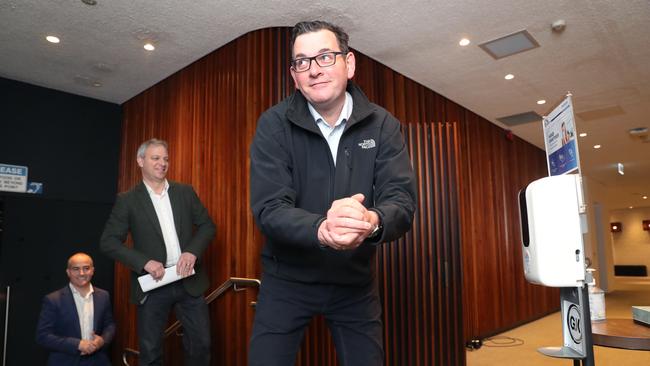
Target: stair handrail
(237,283)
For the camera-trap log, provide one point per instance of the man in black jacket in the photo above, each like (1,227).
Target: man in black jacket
(330,180)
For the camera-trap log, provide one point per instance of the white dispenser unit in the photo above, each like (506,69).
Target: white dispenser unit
(551,231)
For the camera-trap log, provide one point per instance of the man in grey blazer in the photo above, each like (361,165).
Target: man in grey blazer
(169,226)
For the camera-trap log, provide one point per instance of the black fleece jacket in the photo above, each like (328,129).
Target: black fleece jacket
(294,182)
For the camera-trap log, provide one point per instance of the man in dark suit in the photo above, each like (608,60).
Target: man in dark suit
(76,322)
(169,226)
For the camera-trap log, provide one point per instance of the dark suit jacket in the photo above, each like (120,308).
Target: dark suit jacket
(59,331)
(133,211)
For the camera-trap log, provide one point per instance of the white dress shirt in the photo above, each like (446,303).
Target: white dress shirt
(333,134)
(85,310)
(163,208)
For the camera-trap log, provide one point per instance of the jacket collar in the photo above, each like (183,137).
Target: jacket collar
(150,211)
(68,303)
(298,111)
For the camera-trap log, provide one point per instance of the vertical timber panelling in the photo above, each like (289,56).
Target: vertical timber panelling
(496,296)
(420,274)
(208,112)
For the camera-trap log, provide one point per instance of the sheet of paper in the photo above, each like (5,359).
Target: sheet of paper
(148,283)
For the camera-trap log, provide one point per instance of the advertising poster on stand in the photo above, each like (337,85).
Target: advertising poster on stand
(560,139)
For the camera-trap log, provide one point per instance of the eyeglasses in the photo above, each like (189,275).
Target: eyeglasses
(325,59)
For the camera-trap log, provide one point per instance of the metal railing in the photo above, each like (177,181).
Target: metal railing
(237,284)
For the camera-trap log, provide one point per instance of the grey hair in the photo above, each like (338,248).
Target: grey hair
(146,144)
(316,25)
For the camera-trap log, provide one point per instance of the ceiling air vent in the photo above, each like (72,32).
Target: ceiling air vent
(520,119)
(509,45)
(640,133)
(600,113)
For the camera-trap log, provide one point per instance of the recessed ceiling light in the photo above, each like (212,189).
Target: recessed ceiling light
(645,197)
(541,101)
(97,84)
(149,47)
(596,146)
(583,134)
(53,39)
(509,77)
(631,207)
(621,168)
(464,42)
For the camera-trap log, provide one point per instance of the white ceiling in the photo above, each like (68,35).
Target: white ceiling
(602,57)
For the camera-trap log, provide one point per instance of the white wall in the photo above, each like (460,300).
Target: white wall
(602,257)
(632,245)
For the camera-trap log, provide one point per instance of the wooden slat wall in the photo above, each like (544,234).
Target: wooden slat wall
(208,113)
(420,274)
(496,295)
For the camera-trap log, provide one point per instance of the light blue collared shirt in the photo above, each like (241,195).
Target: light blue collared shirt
(333,134)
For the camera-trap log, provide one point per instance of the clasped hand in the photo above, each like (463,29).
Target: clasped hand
(90,346)
(348,223)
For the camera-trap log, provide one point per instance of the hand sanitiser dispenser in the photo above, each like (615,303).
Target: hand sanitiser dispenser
(551,231)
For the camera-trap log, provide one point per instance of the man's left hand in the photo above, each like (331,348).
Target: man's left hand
(348,223)
(185,264)
(98,341)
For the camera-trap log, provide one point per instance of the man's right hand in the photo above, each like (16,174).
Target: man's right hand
(86,347)
(155,269)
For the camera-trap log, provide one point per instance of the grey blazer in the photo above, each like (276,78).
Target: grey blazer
(134,212)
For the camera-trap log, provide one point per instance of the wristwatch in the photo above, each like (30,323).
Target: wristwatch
(376,231)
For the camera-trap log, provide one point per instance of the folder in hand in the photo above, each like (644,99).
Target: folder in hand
(148,283)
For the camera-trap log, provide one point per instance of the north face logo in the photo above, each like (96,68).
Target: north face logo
(367,144)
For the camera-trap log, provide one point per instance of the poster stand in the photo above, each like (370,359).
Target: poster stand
(562,158)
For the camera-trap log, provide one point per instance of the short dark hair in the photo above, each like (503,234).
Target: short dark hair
(80,254)
(316,25)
